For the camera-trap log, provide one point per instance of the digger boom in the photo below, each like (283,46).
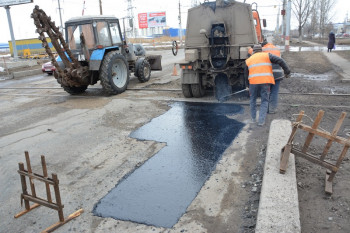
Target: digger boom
(73,73)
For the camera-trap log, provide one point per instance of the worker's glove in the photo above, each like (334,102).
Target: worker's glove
(287,76)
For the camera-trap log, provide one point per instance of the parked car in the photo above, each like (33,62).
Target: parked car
(48,68)
(346,35)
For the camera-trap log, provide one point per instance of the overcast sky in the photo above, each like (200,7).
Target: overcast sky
(24,27)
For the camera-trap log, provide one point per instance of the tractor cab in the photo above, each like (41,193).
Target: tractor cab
(92,33)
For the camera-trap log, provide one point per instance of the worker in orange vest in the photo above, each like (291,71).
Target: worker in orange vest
(277,74)
(258,72)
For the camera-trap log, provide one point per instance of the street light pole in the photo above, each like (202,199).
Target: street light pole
(14,48)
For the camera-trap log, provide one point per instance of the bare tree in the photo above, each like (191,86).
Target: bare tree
(325,9)
(302,10)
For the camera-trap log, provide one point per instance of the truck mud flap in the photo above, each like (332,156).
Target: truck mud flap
(155,61)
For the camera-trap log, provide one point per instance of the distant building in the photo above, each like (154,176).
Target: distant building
(4,47)
(30,47)
(342,27)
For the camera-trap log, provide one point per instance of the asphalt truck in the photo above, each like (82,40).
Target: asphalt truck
(94,50)
(218,37)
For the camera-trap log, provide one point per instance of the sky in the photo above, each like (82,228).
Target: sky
(24,27)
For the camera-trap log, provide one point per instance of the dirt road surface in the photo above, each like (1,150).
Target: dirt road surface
(86,142)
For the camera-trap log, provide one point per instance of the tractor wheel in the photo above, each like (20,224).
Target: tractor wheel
(186,90)
(143,70)
(114,73)
(75,90)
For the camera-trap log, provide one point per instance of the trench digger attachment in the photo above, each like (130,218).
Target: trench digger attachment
(73,74)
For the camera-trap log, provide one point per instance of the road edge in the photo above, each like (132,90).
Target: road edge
(279,205)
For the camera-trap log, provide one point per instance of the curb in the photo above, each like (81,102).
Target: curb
(21,74)
(279,205)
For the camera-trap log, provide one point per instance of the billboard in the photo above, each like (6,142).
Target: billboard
(13,2)
(152,19)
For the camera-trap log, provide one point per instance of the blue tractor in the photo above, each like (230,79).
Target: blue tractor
(94,49)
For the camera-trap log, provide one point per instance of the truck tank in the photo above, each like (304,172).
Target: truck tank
(218,37)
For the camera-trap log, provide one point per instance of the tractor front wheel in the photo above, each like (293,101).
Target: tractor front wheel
(114,73)
(143,70)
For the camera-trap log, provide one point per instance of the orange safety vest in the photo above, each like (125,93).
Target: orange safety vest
(270,48)
(260,69)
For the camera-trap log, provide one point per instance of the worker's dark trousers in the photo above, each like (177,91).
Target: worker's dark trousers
(274,96)
(264,93)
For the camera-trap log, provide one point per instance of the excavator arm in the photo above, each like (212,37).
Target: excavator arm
(73,74)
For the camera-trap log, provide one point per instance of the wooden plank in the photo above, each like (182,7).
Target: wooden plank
(58,197)
(298,121)
(24,185)
(311,135)
(58,224)
(340,159)
(29,167)
(314,159)
(40,201)
(36,205)
(285,157)
(328,185)
(334,133)
(324,134)
(48,191)
(37,177)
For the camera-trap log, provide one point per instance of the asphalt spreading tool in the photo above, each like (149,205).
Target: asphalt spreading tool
(223,98)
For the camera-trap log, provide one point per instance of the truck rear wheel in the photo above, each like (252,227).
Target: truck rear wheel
(75,90)
(186,90)
(198,90)
(114,73)
(143,70)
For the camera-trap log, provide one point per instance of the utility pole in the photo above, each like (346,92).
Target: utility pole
(283,12)
(82,13)
(131,18)
(278,21)
(289,9)
(59,9)
(100,2)
(180,27)
(15,55)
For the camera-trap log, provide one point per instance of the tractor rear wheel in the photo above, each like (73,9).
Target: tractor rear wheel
(143,70)
(114,73)
(75,90)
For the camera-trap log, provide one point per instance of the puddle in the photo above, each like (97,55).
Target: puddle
(159,192)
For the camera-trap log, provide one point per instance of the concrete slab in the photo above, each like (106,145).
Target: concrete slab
(342,63)
(279,206)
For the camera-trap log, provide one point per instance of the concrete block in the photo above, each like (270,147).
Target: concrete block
(279,206)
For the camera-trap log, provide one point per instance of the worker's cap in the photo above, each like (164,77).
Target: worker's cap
(257,48)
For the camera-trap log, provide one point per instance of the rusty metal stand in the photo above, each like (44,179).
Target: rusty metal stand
(26,197)
(332,137)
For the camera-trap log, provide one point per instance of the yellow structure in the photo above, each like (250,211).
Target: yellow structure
(31,47)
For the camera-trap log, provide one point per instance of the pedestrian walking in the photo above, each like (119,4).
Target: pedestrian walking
(331,41)
(258,72)
(277,74)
